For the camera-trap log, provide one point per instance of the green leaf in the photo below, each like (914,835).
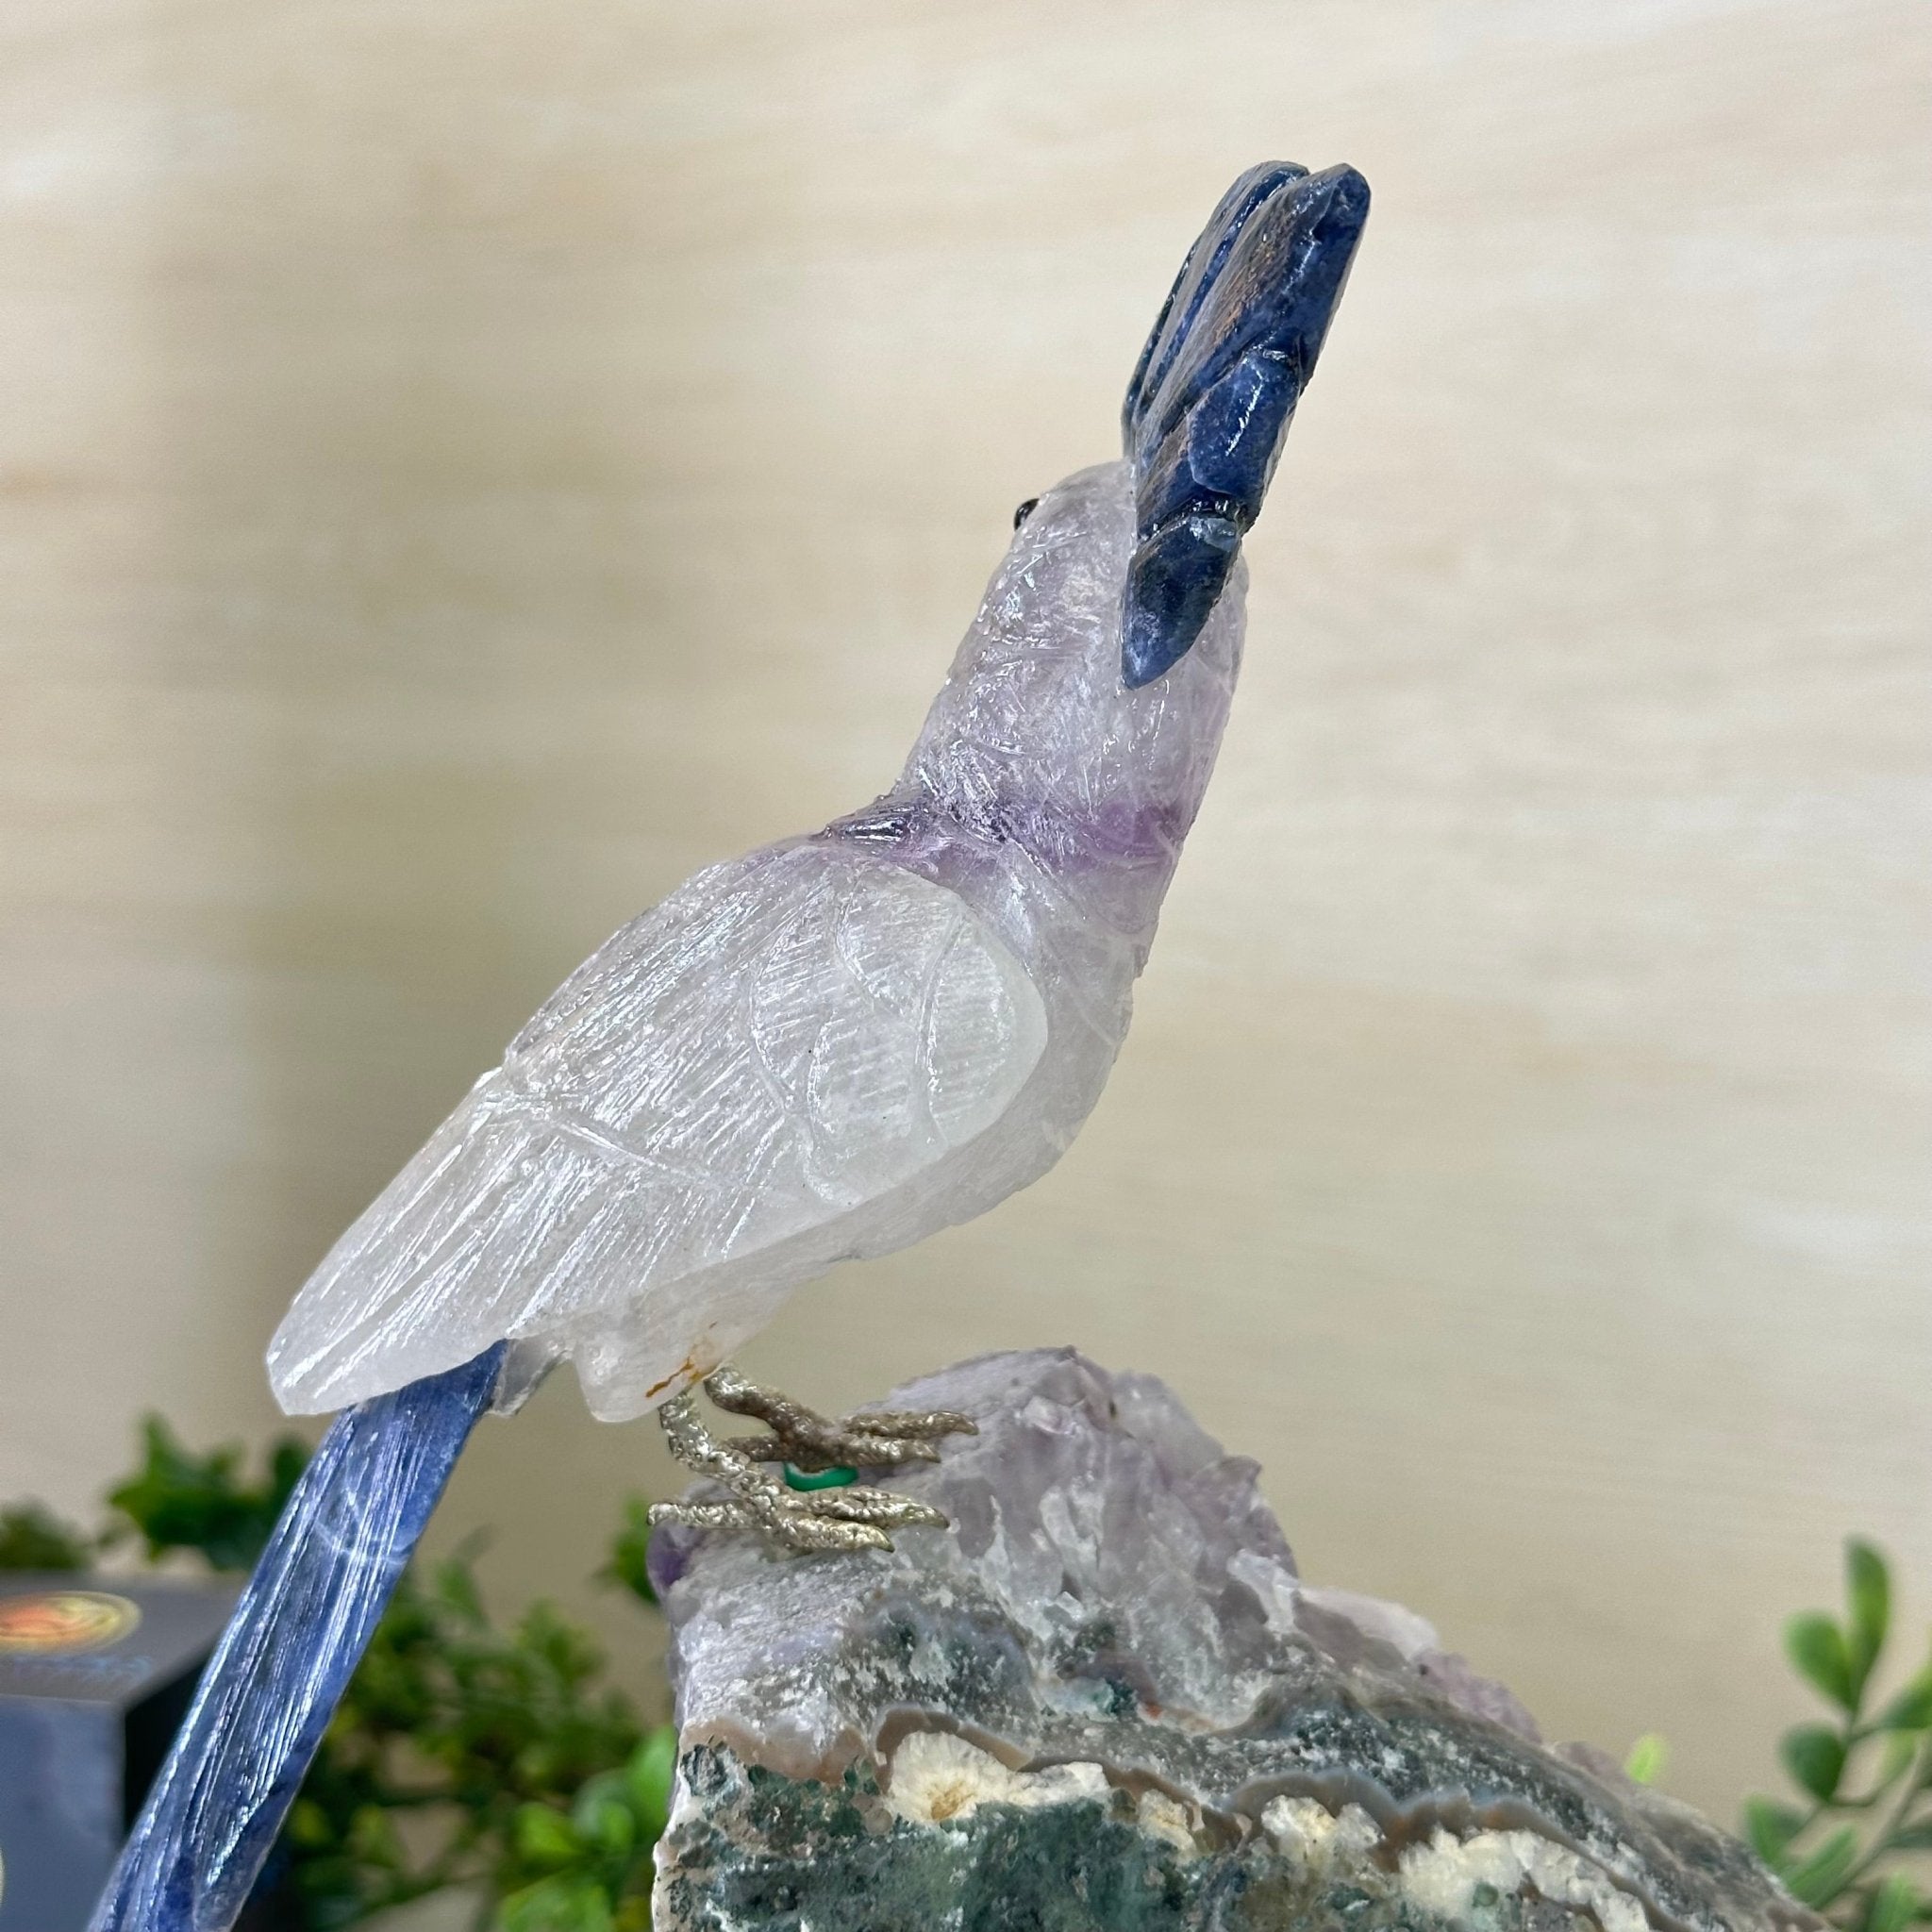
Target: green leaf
(1911,1709)
(456,1587)
(1815,1757)
(1771,1827)
(372,1835)
(629,1550)
(307,1824)
(179,1501)
(1820,1879)
(477,1740)
(1648,1757)
(1895,1760)
(652,1766)
(545,1836)
(603,1815)
(1911,1838)
(557,1905)
(1817,1649)
(33,1538)
(612,1826)
(1894,1905)
(1868,1597)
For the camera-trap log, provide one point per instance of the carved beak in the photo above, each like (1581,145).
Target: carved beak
(1216,387)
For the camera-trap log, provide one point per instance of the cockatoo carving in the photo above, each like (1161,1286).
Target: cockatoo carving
(827,1049)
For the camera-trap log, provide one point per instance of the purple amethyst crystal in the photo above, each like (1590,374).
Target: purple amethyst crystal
(1105,1699)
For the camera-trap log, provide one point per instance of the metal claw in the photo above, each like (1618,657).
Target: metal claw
(820,1519)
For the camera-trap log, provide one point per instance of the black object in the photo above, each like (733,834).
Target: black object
(95,1677)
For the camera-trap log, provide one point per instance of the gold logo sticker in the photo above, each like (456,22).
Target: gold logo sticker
(64,1622)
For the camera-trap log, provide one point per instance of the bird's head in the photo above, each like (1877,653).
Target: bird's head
(1095,678)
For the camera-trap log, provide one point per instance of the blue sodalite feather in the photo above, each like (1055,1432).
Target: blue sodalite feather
(289,1651)
(1217,384)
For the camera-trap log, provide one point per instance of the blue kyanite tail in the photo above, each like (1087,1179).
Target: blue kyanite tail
(295,1638)
(1216,386)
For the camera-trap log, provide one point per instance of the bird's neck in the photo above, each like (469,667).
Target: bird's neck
(1035,755)
(1037,771)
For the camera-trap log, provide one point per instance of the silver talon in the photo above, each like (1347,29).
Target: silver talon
(847,1517)
(881,1438)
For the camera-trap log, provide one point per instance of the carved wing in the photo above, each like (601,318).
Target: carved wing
(785,1040)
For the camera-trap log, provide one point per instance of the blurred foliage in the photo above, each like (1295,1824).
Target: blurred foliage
(33,1538)
(1649,1758)
(591,1871)
(462,1754)
(175,1501)
(1853,1846)
(629,1549)
(489,1742)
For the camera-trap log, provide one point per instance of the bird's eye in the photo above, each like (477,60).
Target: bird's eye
(1025,511)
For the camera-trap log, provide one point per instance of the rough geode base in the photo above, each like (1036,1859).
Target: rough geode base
(1104,1700)
(757,1849)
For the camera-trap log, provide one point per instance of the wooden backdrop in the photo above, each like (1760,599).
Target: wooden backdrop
(464,466)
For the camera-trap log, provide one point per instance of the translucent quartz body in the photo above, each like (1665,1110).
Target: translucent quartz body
(827,1049)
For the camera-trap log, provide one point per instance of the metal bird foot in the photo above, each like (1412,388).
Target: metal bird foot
(877,1439)
(833,1512)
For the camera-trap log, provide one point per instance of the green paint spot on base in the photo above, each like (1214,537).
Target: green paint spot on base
(835,1478)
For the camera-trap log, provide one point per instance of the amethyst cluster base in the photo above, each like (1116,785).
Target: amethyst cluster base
(1104,1699)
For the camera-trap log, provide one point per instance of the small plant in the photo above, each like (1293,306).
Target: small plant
(471,1733)
(1865,1775)
(1649,1758)
(177,1501)
(589,1870)
(461,1754)
(33,1538)
(630,1549)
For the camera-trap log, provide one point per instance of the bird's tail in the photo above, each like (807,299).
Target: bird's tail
(295,1638)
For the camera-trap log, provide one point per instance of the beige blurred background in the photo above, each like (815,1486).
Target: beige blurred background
(463,467)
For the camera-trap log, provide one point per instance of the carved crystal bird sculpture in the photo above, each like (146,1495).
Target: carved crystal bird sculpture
(827,1049)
